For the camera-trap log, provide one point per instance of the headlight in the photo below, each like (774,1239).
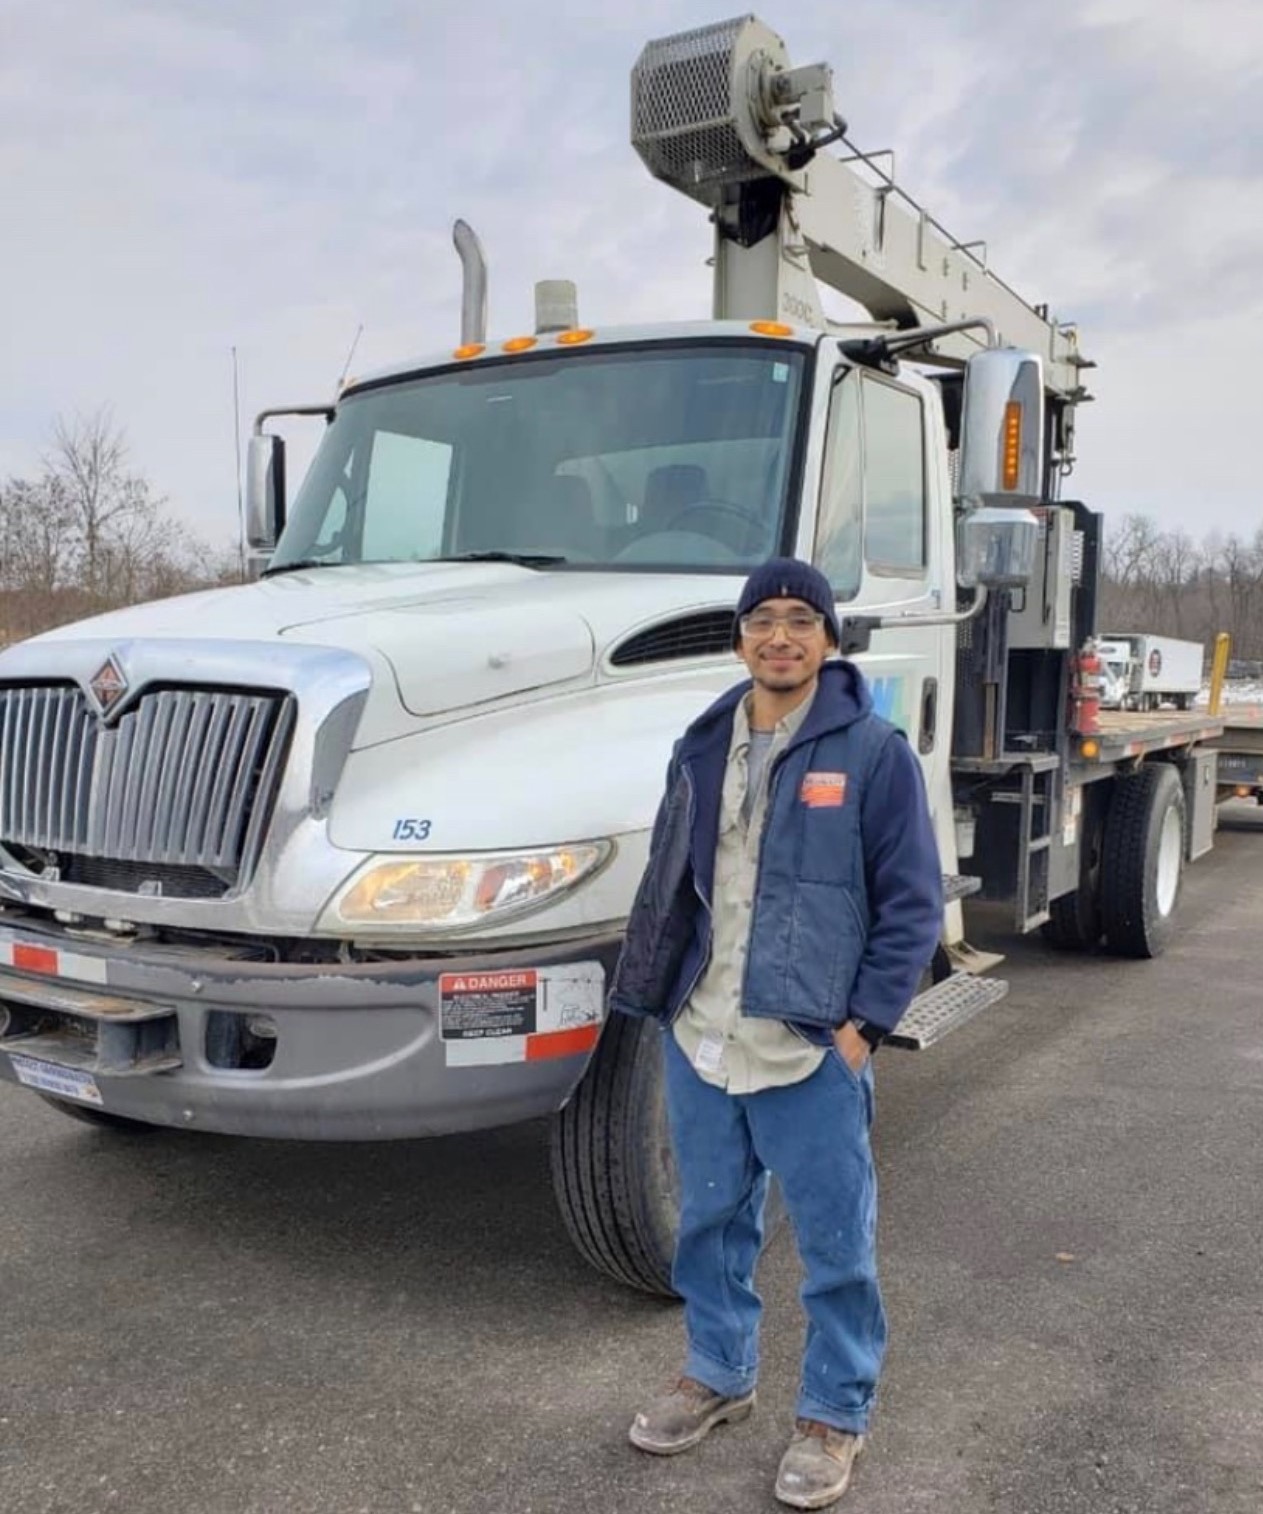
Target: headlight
(448,893)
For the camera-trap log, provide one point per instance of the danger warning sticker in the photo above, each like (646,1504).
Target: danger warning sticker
(474,1005)
(520,1015)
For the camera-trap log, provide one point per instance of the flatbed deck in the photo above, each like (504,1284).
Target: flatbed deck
(1126,733)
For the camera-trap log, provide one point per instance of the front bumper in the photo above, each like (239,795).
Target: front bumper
(361,1051)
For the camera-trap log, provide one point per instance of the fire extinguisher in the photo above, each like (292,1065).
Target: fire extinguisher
(1085,690)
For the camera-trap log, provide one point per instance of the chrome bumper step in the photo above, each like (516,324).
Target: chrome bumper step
(944,1008)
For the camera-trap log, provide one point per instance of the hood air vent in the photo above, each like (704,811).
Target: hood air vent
(698,635)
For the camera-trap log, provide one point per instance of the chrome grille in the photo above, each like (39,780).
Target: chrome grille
(185,778)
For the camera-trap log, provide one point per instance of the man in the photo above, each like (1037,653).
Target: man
(792,900)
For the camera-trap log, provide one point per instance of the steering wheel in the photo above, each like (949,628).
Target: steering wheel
(726,510)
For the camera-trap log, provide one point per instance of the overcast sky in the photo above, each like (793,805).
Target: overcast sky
(182,176)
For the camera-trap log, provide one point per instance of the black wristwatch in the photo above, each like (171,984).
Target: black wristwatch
(873,1034)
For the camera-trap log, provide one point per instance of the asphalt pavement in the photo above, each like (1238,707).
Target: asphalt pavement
(1072,1221)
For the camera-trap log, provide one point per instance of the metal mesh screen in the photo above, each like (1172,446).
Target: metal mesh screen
(682,124)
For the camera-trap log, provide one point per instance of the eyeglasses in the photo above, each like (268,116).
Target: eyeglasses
(798,623)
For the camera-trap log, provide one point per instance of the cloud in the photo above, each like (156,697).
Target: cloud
(185,178)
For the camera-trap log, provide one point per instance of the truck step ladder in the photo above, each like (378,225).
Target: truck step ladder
(1034,846)
(959,886)
(1033,796)
(945,1007)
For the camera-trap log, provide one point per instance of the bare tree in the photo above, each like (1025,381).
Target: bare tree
(109,503)
(88,533)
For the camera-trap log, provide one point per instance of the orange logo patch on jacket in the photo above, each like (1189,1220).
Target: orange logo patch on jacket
(823,790)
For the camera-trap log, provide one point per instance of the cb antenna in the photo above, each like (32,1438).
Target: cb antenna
(355,342)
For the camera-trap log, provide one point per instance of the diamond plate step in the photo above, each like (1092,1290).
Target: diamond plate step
(945,1007)
(959,886)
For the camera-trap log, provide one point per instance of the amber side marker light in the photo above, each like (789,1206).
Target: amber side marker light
(1012,443)
(1243,792)
(470,349)
(573,338)
(520,344)
(1090,749)
(771,328)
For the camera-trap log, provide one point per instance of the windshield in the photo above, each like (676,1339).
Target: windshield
(669,457)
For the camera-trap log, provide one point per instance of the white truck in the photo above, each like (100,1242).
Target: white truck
(1144,672)
(345,853)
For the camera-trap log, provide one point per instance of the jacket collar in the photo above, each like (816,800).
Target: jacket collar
(841,698)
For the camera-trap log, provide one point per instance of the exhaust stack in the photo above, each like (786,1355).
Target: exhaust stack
(473,299)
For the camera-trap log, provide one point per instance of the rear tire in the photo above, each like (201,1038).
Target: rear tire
(1142,861)
(89,1114)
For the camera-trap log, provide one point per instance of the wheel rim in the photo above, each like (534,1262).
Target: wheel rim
(1170,855)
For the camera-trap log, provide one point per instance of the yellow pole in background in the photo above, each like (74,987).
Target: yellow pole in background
(1219,669)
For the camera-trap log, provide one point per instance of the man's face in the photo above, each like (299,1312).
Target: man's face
(783,643)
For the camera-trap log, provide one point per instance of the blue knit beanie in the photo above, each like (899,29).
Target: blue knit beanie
(788,578)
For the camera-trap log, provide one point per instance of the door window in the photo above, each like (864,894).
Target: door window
(840,525)
(894,480)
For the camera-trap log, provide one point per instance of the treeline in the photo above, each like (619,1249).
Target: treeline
(1165,582)
(87,533)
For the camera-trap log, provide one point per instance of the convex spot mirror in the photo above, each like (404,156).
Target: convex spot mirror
(997,548)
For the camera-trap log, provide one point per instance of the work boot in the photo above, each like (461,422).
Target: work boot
(685,1416)
(816,1467)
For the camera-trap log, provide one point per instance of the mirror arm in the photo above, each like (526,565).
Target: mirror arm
(857,630)
(266,415)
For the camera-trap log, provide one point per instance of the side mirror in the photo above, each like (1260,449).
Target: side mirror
(1002,430)
(997,548)
(265,490)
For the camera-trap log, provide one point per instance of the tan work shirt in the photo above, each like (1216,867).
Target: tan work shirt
(741,1053)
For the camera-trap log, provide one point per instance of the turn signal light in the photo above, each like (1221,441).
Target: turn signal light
(1090,749)
(1012,444)
(573,338)
(519,344)
(771,328)
(470,349)
(1243,791)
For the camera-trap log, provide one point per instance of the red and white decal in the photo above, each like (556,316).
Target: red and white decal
(520,1014)
(50,961)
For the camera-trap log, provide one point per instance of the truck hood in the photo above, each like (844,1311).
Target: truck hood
(439,637)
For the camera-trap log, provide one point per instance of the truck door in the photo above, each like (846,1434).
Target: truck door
(879,527)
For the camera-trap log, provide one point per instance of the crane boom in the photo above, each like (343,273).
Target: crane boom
(720,115)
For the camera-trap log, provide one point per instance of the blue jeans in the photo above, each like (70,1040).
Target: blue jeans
(814,1136)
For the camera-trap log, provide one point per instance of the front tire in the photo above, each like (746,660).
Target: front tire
(1142,863)
(612,1164)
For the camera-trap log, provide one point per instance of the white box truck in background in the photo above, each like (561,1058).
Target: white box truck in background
(1142,672)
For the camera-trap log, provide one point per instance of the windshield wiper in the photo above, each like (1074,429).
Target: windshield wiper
(303,562)
(523,559)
